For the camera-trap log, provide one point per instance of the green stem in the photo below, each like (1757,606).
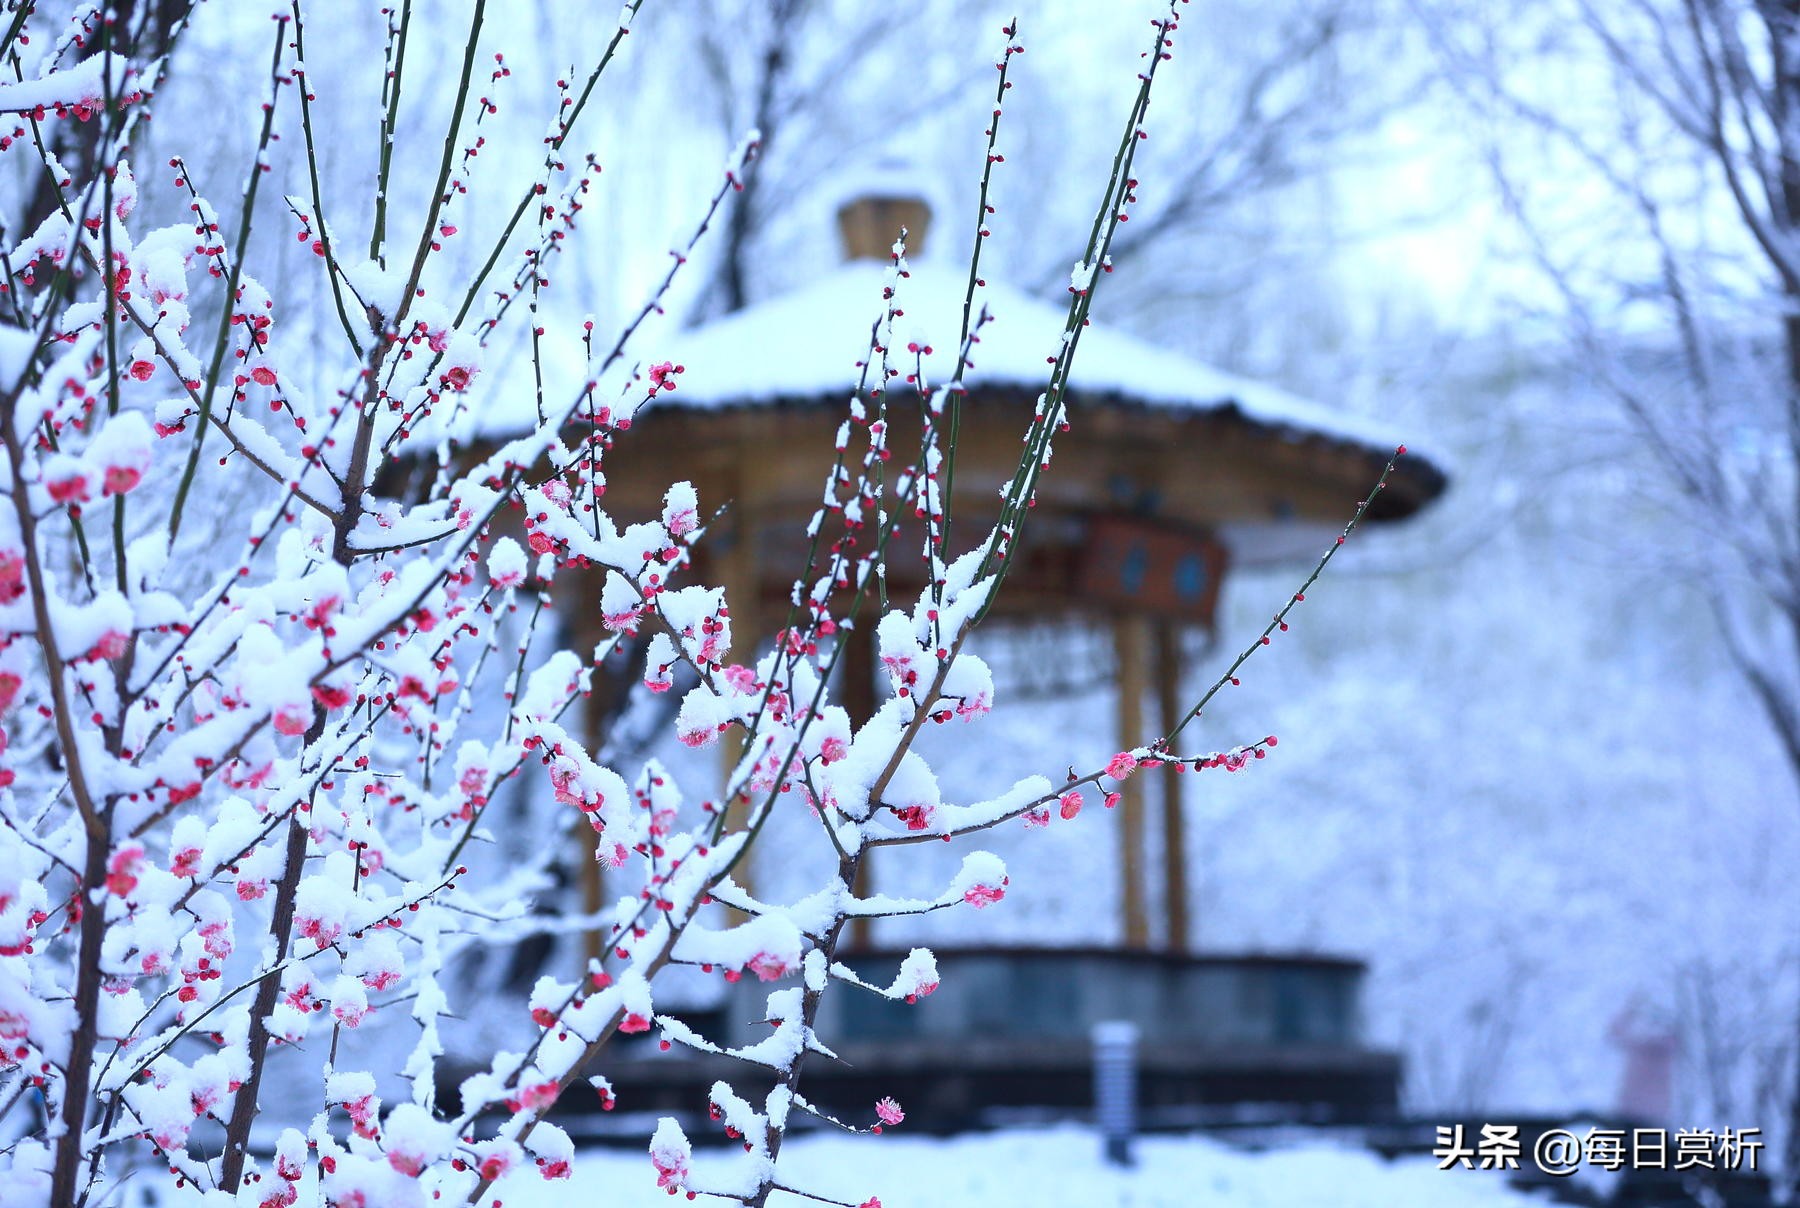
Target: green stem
(312,170)
(390,95)
(234,278)
(962,343)
(555,147)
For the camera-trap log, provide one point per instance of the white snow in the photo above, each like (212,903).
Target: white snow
(16,350)
(803,347)
(78,84)
(1053,1168)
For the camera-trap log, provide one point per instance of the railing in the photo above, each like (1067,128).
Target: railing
(1060,994)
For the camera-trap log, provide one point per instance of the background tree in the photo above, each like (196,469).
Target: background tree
(1649,153)
(806,74)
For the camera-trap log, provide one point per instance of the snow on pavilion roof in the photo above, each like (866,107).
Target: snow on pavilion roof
(803,347)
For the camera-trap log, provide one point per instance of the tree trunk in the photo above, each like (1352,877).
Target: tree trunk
(742,223)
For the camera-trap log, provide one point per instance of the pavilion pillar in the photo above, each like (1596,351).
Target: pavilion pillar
(858,698)
(1174,822)
(1131,650)
(589,632)
(740,576)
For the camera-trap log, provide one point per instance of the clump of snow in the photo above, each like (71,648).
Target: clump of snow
(413,1139)
(121,450)
(670,1154)
(81,85)
(918,975)
(980,882)
(506,563)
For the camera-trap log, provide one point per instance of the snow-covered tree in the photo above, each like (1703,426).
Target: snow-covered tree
(263,717)
(1649,157)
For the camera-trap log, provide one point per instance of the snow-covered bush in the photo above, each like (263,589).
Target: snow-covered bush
(251,760)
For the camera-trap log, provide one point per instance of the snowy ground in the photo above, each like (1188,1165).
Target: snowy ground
(1057,1168)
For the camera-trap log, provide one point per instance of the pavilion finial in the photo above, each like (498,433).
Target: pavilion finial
(878,204)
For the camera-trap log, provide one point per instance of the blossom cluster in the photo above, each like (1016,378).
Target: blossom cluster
(264,714)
